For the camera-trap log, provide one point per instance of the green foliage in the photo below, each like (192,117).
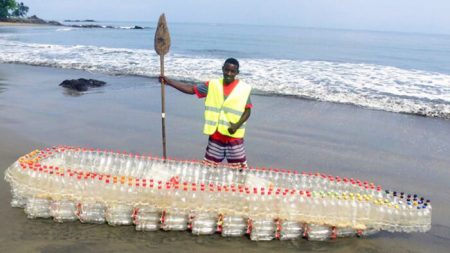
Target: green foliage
(12,8)
(20,10)
(6,6)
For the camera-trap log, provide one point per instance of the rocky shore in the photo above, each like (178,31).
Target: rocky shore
(34,20)
(30,20)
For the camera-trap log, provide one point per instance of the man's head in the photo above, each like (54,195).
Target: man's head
(230,69)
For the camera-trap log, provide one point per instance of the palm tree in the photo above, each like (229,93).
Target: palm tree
(21,10)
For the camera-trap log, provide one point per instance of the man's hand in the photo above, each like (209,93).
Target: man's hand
(233,128)
(163,80)
(183,87)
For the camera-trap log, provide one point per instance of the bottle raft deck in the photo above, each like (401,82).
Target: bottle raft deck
(97,186)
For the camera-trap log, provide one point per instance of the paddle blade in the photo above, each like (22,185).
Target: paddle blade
(162,36)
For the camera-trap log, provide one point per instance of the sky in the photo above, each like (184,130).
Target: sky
(423,16)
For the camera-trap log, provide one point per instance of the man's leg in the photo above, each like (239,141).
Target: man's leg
(215,153)
(235,153)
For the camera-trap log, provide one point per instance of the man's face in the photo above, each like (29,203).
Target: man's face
(229,72)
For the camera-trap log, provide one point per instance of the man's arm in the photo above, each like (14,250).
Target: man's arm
(183,87)
(235,126)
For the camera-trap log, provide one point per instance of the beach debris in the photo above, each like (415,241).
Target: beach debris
(81,84)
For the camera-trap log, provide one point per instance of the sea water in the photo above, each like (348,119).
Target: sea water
(391,71)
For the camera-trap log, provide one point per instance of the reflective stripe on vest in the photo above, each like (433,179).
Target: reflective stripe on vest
(219,112)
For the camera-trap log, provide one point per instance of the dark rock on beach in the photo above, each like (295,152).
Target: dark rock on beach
(138,27)
(52,22)
(81,84)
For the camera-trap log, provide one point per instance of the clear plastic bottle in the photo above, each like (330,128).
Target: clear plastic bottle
(233,226)
(300,214)
(263,230)
(427,216)
(317,232)
(63,211)
(176,220)
(290,230)
(345,232)
(204,223)
(38,208)
(120,214)
(146,218)
(91,212)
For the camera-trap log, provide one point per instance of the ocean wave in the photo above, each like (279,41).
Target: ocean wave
(65,29)
(368,85)
(89,26)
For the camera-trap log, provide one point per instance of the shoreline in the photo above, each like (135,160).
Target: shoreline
(349,104)
(3,23)
(338,111)
(398,151)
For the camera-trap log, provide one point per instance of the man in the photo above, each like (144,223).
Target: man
(227,108)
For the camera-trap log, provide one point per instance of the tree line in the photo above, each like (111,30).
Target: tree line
(11,8)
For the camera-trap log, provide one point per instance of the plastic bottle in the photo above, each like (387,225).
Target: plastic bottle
(63,211)
(91,212)
(427,216)
(204,223)
(120,214)
(38,208)
(233,226)
(263,230)
(317,232)
(146,218)
(290,230)
(174,220)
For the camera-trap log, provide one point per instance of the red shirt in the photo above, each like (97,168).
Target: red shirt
(202,90)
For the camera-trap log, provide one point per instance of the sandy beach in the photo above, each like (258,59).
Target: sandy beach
(398,151)
(20,24)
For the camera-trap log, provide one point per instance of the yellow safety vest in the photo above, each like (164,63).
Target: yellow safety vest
(219,111)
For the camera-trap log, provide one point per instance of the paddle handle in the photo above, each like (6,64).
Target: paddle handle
(163,107)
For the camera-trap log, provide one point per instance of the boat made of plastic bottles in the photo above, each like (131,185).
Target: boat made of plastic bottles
(98,186)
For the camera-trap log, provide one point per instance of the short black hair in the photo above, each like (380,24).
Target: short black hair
(232,61)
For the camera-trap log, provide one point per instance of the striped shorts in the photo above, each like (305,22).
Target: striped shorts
(233,151)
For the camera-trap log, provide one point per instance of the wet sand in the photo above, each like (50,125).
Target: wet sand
(403,152)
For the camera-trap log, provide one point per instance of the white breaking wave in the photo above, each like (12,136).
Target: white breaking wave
(66,29)
(373,86)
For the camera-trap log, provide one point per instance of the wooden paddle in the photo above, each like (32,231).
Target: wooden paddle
(162,45)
